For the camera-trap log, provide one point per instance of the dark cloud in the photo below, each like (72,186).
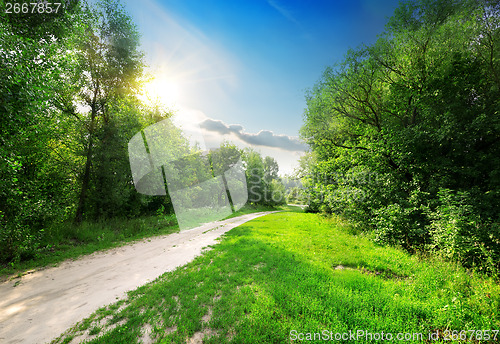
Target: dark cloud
(262,138)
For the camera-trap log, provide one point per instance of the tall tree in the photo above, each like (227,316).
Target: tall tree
(108,70)
(30,179)
(263,184)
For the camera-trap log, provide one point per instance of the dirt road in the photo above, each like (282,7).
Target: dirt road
(45,303)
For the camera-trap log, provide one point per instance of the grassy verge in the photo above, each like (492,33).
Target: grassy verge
(69,241)
(252,208)
(292,271)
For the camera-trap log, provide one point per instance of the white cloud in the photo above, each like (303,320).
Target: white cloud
(210,133)
(263,138)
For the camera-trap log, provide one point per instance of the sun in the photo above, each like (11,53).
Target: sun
(162,90)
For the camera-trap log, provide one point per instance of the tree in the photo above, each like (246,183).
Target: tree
(398,122)
(31,178)
(107,72)
(263,184)
(68,107)
(222,161)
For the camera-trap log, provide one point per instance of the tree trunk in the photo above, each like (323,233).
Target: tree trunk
(88,163)
(85,184)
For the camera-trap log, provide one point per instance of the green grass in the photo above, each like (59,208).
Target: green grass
(292,271)
(256,208)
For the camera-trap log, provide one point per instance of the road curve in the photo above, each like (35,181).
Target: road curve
(40,306)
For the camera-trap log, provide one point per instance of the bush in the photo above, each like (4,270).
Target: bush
(18,243)
(401,225)
(458,233)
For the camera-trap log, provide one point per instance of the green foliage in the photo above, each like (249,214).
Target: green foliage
(68,107)
(459,233)
(417,112)
(399,225)
(263,184)
(106,72)
(295,192)
(34,185)
(296,195)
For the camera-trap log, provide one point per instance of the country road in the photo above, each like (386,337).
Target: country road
(40,306)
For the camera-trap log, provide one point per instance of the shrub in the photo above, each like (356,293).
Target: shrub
(458,233)
(401,225)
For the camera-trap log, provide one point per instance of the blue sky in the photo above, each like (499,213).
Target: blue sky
(241,67)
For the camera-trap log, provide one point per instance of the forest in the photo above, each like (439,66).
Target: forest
(405,133)
(70,85)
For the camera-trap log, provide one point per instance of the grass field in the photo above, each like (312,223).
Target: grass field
(290,276)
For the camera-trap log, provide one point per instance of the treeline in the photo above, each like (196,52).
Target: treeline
(295,192)
(69,85)
(405,133)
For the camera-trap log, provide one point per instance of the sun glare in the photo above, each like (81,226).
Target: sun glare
(162,90)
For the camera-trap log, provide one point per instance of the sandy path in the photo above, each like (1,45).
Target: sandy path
(47,302)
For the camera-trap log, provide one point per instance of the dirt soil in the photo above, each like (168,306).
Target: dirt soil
(40,306)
